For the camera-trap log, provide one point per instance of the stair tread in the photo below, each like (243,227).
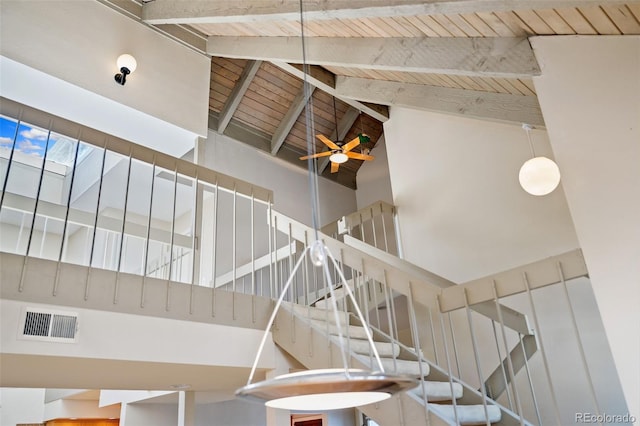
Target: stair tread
(355,331)
(438,391)
(468,414)
(362,346)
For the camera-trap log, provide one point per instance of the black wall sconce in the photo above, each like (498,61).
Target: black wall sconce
(126,64)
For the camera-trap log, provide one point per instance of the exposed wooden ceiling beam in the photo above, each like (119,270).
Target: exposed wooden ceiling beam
(325,81)
(230,106)
(499,57)
(344,125)
(290,119)
(225,11)
(469,103)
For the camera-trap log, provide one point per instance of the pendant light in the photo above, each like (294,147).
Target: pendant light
(538,175)
(324,389)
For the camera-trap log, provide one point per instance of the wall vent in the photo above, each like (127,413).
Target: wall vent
(48,325)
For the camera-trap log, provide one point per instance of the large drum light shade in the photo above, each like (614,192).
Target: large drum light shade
(539,176)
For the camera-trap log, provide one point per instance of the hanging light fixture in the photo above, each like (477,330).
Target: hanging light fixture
(324,389)
(539,175)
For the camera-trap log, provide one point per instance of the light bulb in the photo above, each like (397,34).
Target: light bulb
(316,253)
(539,176)
(338,157)
(127,61)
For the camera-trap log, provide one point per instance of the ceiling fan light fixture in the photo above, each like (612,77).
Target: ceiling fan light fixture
(338,157)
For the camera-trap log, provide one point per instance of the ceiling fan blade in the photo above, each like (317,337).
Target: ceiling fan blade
(320,154)
(351,144)
(359,156)
(328,142)
(334,167)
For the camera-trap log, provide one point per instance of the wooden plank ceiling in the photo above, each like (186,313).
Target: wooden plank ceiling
(462,57)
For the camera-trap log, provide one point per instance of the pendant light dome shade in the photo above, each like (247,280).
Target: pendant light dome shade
(539,176)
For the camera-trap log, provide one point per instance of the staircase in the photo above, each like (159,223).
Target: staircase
(310,334)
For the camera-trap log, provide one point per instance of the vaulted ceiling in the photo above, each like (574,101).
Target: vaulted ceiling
(465,57)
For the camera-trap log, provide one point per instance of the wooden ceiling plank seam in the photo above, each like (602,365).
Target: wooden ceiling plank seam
(479,24)
(374,30)
(289,119)
(518,84)
(344,125)
(535,22)
(273,115)
(424,28)
(483,82)
(529,84)
(275,74)
(360,27)
(496,24)
(447,24)
(232,102)
(463,25)
(623,19)
(555,21)
(469,83)
(599,20)
(497,87)
(267,85)
(386,27)
(470,103)
(513,21)
(435,26)
(447,81)
(408,26)
(576,21)
(635,10)
(508,84)
(329,87)
(275,80)
(398,24)
(350,27)
(263,96)
(253,122)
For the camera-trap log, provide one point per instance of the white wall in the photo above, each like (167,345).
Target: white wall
(461,210)
(288,182)
(79,43)
(589,91)
(231,413)
(149,414)
(373,179)
(21,406)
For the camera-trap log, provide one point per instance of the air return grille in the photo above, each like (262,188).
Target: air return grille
(45,325)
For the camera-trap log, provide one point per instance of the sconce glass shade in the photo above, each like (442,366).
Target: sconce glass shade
(338,157)
(539,176)
(127,61)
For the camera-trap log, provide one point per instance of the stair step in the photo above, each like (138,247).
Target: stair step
(385,349)
(318,314)
(402,366)
(355,331)
(327,304)
(468,414)
(438,391)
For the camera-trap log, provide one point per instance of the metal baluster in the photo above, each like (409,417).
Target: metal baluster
(214,251)
(387,297)
(541,346)
(172,237)
(384,229)
(270,231)
(416,343)
(476,355)
(583,356)
(122,229)
(20,233)
(373,229)
(433,336)
(533,393)
(233,251)
(446,355)
(509,361)
(95,225)
(362,228)
(148,236)
(10,162)
(276,275)
(253,260)
(35,212)
(196,223)
(504,372)
(455,347)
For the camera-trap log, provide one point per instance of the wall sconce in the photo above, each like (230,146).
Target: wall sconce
(538,175)
(126,64)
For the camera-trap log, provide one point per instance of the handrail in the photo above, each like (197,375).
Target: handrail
(366,213)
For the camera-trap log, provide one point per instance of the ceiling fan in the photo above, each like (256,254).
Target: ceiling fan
(339,152)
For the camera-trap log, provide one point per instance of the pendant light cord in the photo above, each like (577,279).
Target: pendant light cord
(310,125)
(527,128)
